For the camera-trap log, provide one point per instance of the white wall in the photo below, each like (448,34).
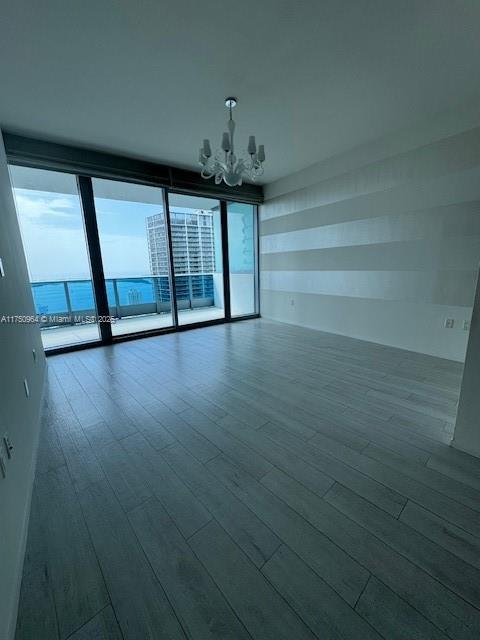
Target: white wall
(19,415)
(381,243)
(467,426)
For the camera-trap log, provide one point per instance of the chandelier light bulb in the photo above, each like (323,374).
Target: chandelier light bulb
(207,151)
(226,142)
(225,165)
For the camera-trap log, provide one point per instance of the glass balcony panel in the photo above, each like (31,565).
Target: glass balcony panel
(81,295)
(49,297)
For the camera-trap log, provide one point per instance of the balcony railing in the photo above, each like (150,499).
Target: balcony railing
(71,301)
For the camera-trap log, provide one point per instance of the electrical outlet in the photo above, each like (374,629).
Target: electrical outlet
(449,323)
(34,355)
(3,467)
(27,390)
(466,325)
(8,445)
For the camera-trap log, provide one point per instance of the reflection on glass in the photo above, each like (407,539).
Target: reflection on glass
(197,258)
(53,234)
(241,257)
(133,240)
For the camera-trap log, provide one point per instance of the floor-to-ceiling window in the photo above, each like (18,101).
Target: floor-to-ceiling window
(53,233)
(133,235)
(197,258)
(110,258)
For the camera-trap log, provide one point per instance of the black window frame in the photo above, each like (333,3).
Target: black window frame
(86,165)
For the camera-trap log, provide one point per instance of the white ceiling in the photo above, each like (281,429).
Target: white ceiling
(314,78)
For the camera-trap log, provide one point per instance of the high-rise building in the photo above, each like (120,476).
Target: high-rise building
(193,254)
(192,243)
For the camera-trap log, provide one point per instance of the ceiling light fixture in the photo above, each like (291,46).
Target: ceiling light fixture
(225,165)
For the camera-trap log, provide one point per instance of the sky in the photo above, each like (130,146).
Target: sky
(54,237)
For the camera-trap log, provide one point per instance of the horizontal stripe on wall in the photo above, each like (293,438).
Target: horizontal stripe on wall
(462,187)
(453,154)
(401,230)
(434,287)
(457,220)
(457,253)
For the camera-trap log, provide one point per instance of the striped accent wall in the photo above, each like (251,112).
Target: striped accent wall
(385,251)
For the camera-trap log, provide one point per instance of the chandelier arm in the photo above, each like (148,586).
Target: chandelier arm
(207,172)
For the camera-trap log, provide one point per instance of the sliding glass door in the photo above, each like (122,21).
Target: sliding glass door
(133,235)
(242,258)
(53,233)
(197,258)
(142,257)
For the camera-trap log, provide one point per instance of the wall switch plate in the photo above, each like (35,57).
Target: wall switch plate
(2,270)
(292,302)
(27,390)
(449,323)
(466,325)
(8,445)
(3,467)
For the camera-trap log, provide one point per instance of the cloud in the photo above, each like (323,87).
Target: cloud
(46,208)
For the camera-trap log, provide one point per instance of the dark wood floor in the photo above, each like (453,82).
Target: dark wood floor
(252,480)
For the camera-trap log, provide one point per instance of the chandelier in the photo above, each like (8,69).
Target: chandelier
(225,165)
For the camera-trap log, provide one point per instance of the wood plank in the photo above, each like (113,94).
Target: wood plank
(392,617)
(130,487)
(461,468)
(138,599)
(454,573)
(324,611)
(292,464)
(391,501)
(249,532)
(442,607)
(188,513)
(427,476)
(82,462)
(198,603)
(319,552)
(77,583)
(201,448)
(37,617)
(244,456)
(103,626)
(50,455)
(263,612)
(456,540)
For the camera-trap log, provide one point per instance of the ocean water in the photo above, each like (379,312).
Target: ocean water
(51,297)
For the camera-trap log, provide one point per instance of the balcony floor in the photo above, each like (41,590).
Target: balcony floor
(67,335)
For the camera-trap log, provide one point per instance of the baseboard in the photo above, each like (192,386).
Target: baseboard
(304,325)
(471,452)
